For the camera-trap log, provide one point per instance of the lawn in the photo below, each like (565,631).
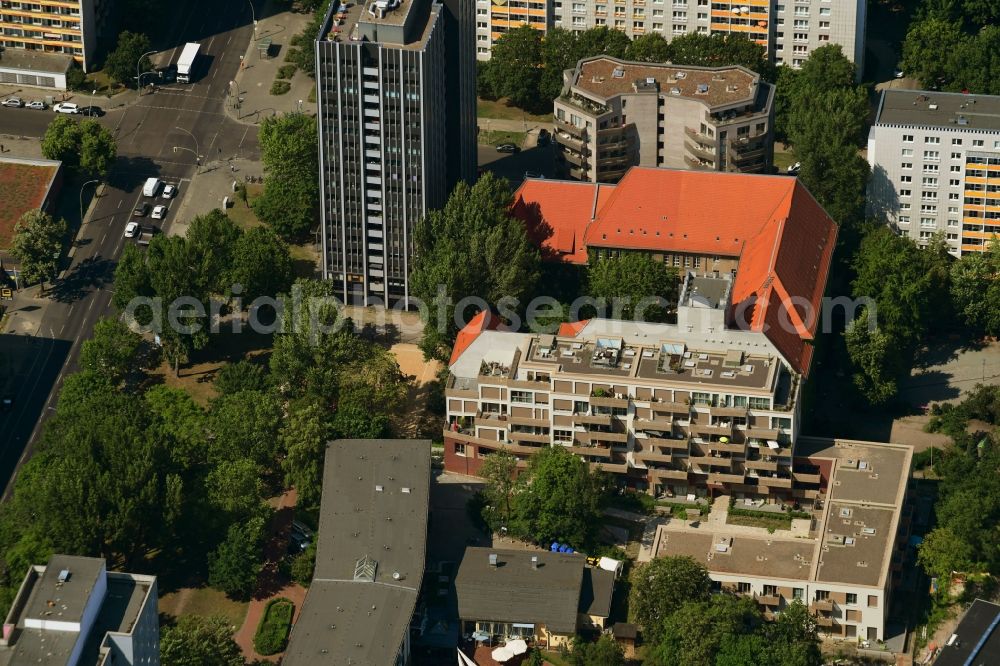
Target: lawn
(783,158)
(305,257)
(275,623)
(494,138)
(203,601)
(22,188)
(765,519)
(501,110)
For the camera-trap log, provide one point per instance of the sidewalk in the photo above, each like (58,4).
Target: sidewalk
(29,93)
(18,146)
(254,80)
(271,583)
(206,190)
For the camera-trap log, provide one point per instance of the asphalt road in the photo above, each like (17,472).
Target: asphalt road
(161,135)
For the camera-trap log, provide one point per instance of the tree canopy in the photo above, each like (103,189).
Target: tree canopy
(290,200)
(37,245)
(199,641)
(975,289)
(126,61)
(644,287)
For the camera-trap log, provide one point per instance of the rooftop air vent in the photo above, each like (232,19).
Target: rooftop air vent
(618,73)
(681,75)
(932,107)
(64,575)
(675,91)
(702,88)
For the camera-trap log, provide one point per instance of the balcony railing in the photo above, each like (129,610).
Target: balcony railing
(695,163)
(699,151)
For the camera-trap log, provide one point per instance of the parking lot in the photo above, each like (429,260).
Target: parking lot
(532,158)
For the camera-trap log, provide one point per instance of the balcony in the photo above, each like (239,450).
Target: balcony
(824,621)
(719,477)
(761,433)
(768,465)
(709,430)
(601,437)
(660,424)
(575,158)
(592,419)
(699,151)
(774,481)
(528,437)
(529,421)
(806,477)
(670,407)
(728,411)
(610,468)
(588,105)
(661,473)
(701,139)
(670,443)
(570,128)
(494,418)
(574,142)
(609,401)
(726,448)
(769,599)
(821,606)
(590,451)
(697,164)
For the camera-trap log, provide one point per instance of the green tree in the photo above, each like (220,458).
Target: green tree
(515,70)
(560,500)
(303,437)
(602,40)
(975,289)
(245,425)
(603,652)
(173,275)
(304,565)
(199,641)
(650,47)
(943,552)
(645,288)
(291,189)
(261,264)
(376,381)
(235,487)
(123,63)
(178,422)
(473,247)
(929,48)
(37,246)
(98,148)
(695,633)
(212,239)
(75,78)
(785,88)
(719,50)
(233,567)
(62,141)
(241,376)
(661,586)
(499,471)
(876,361)
(131,279)
(826,69)
(559,52)
(111,350)
(354,420)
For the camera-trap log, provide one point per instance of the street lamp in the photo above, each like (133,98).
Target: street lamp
(253,15)
(137,64)
(89,182)
(197,148)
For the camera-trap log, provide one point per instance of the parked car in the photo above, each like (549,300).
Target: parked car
(544,138)
(66,107)
(37,104)
(91,111)
(14,102)
(898,73)
(159,212)
(6,403)
(169,191)
(141,210)
(508,148)
(131,229)
(794,169)
(533,174)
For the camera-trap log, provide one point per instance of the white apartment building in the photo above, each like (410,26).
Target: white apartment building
(840,558)
(789,29)
(935,161)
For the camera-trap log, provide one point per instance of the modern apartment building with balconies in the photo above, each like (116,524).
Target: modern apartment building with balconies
(614,114)
(840,555)
(396,114)
(39,39)
(935,160)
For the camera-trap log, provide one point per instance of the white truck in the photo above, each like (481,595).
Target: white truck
(185,64)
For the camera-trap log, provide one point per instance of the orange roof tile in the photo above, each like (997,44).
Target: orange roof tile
(556,214)
(782,236)
(484,321)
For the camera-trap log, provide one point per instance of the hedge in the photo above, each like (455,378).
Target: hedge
(272,631)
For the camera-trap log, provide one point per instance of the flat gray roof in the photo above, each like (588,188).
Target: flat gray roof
(774,557)
(119,612)
(513,591)
(927,108)
(978,637)
(370,553)
(52,63)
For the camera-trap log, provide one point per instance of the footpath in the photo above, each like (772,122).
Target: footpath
(252,100)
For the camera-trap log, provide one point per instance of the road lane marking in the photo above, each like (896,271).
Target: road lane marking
(104,237)
(119,203)
(91,306)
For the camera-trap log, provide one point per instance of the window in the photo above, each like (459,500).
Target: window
(953,196)
(760,403)
(927,208)
(907,152)
(929,182)
(824,24)
(930,168)
(904,219)
(907,138)
(906,165)
(906,179)
(904,206)
(904,193)
(931,155)
(927,222)
(522,397)
(459,449)
(932,140)
(562,435)
(798,593)
(955,168)
(977,143)
(852,598)
(956,156)
(770,590)
(954,182)
(956,142)
(799,23)
(743,588)
(702,16)
(822,595)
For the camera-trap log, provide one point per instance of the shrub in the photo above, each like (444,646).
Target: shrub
(280,87)
(272,631)
(292,55)
(75,78)
(286,71)
(303,565)
(633,501)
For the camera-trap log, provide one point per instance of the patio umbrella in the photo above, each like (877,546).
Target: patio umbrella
(501,654)
(517,646)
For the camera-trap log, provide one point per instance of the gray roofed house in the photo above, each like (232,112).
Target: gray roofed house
(977,638)
(369,557)
(537,594)
(73,611)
